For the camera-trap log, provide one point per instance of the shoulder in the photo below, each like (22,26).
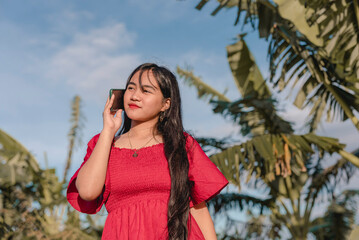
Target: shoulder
(191,143)
(93,141)
(190,140)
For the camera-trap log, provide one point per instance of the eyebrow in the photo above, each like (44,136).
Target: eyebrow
(143,86)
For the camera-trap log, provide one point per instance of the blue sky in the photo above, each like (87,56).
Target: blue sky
(54,50)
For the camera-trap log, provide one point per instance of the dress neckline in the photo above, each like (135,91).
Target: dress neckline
(133,149)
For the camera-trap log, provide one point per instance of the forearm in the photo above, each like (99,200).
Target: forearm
(201,214)
(91,177)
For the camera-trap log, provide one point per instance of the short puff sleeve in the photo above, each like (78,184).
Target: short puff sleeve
(73,197)
(207,180)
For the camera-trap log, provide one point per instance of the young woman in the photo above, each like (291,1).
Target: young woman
(153,178)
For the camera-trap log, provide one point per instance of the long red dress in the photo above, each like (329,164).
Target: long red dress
(137,190)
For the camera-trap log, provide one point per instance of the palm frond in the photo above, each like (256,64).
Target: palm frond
(218,144)
(319,78)
(254,115)
(338,220)
(312,40)
(245,71)
(227,201)
(242,6)
(278,159)
(74,135)
(203,89)
(326,179)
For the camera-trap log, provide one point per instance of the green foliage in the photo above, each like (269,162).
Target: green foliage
(204,90)
(32,201)
(74,135)
(23,186)
(247,76)
(312,43)
(227,201)
(256,116)
(354,234)
(337,221)
(314,51)
(255,112)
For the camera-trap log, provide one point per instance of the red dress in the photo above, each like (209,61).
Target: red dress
(137,190)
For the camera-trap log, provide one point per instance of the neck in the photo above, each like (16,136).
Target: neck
(143,128)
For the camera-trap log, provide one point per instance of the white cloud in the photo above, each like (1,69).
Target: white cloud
(76,15)
(95,59)
(106,38)
(67,21)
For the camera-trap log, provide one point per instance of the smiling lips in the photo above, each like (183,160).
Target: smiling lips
(133,106)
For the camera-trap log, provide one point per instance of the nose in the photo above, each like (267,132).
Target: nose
(135,95)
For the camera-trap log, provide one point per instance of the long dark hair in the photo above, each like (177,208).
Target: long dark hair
(170,127)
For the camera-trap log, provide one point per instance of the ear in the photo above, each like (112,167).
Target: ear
(166,104)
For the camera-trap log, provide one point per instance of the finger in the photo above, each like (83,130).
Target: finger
(112,100)
(109,102)
(119,113)
(113,113)
(118,118)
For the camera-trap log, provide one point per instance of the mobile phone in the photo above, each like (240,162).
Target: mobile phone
(118,102)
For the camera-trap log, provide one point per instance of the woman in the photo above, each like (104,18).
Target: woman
(153,177)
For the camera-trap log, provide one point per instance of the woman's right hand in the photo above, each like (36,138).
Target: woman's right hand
(111,120)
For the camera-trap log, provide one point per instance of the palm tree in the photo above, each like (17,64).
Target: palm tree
(23,183)
(32,203)
(290,166)
(338,220)
(313,43)
(77,120)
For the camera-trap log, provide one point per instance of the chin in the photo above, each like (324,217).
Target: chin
(137,118)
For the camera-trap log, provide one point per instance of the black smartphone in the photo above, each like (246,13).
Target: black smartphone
(118,102)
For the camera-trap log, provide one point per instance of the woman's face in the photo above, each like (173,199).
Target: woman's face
(146,102)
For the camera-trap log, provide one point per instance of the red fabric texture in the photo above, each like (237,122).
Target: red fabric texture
(137,190)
